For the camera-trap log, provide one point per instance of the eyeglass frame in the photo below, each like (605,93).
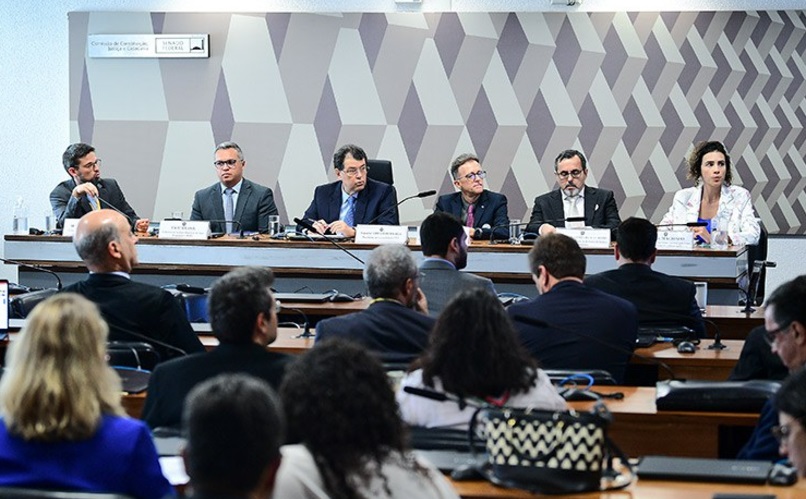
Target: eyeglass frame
(770,336)
(781,432)
(91,164)
(230,163)
(352,172)
(482,174)
(572,174)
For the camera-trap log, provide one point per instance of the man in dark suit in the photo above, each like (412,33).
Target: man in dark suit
(477,208)
(395,325)
(354,199)
(133,311)
(234,197)
(662,300)
(573,199)
(86,191)
(577,327)
(444,244)
(243,316)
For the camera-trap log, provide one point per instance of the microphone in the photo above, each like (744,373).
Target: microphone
(423,194)
(219,234)
(148,339)
(37,268)
(687,224)
(569,219)
(308,225)
(131,220)
(306,326)
(439,396)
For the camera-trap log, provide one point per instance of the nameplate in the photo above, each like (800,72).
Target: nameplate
(675,240)
(381,234)
(69,227)
(131,46)
(588,238)
(184,229)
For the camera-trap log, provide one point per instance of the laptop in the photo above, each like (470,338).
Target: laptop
(703,470)
(133,380)
(303,297)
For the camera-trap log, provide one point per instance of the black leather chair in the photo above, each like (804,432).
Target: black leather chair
(758,253)
(134,354)
(380,170)
(22,305)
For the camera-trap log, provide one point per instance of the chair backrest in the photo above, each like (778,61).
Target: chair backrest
(194,304)
(380,170)
(29,493)
(134,354)
(758,252)
(21,305)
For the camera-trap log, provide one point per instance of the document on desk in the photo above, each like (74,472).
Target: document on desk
(173,468)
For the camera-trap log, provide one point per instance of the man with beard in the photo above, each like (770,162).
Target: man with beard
(444,244)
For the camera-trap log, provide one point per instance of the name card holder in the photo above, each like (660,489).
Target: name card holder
(69,227)
(381,234)
(675,240)
(588,238)
(184,229)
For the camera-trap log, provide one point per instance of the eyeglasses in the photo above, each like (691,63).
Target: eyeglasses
(352,172)
(228,163)
(473,176)
(771,335)
(780,432)
(92,165)
(572,173)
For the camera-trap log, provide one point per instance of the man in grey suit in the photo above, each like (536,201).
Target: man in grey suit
(234,198)
(444,244)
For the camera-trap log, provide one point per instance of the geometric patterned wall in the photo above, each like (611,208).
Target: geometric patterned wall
(633,91)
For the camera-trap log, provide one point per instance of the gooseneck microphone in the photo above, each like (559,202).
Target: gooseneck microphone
(308,225)
(148,339)
(131,220)
(37,268)
(687,224)
(423,194)
(526,224)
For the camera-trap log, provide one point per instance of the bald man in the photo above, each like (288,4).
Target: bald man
(105,243)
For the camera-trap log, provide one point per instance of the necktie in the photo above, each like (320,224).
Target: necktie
(573,211)
(471,219)
(229,208)
(349,214)
(94,203)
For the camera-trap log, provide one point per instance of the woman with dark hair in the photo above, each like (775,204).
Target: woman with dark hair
(340,405)
(474,353)
(790,401)
(717,202)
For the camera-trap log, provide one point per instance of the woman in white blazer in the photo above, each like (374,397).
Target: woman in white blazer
(729,205)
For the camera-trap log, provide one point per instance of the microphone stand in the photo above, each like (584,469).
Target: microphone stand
(423,194)
(37,268)
(308,225)
(240,228)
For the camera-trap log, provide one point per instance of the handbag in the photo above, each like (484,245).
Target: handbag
(548,452)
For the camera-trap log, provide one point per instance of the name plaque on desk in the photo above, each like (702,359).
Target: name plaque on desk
(69,227)
(588,238)
(675,240)
(381,234)
(184,229)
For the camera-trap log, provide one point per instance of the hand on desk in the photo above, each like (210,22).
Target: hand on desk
(336,227)
(703,233)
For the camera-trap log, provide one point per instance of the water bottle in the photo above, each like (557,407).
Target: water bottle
(719,235)
(20,217)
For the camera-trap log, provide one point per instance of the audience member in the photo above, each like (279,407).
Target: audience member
(62,425)
(474,354)
(791,430)
(243,316)
(756,361)
(340,406)
(570,325)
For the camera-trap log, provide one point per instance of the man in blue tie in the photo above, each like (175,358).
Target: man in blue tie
(353,199)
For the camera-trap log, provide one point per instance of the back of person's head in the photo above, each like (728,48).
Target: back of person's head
(92,239)
(387,269)
(437,231)
(789,302)
(559,254)
(636,238)
(236,300)
(234,428)
(351,149)
(339,402)
(75,152)
(57,384)
(474,349)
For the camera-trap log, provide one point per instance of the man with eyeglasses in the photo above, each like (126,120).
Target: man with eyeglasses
(785,324)
(573,200)
(86,191)
(234,204)
(353,199)
(479,209)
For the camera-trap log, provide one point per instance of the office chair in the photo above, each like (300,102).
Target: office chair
(133,354)
(31,493)
(22,305)
(380,170)
(193,303)
(758,252)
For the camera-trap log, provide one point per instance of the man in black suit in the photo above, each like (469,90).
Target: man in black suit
(354,199)
(662,300)
(395,325)
(477,208)
(570,325)
(134,311)
(86,191)
(573,199)
(243,316)
(234,198)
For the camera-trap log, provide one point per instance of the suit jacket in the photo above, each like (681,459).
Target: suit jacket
(172,381)
(661,299)
(575,308)
(735,212)
(491,209)
(255,204)
(757,360)
(600,210)
(66,206)
(441,282)
(394,332)
(142,308)
(376,198)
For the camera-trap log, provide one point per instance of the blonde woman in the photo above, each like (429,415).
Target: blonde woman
(61,422)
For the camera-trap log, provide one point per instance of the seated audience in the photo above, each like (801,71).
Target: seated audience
(791,430)
(340,406)
(474,353)
(395,326)
(234,427)
(62,425)
(571,325)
